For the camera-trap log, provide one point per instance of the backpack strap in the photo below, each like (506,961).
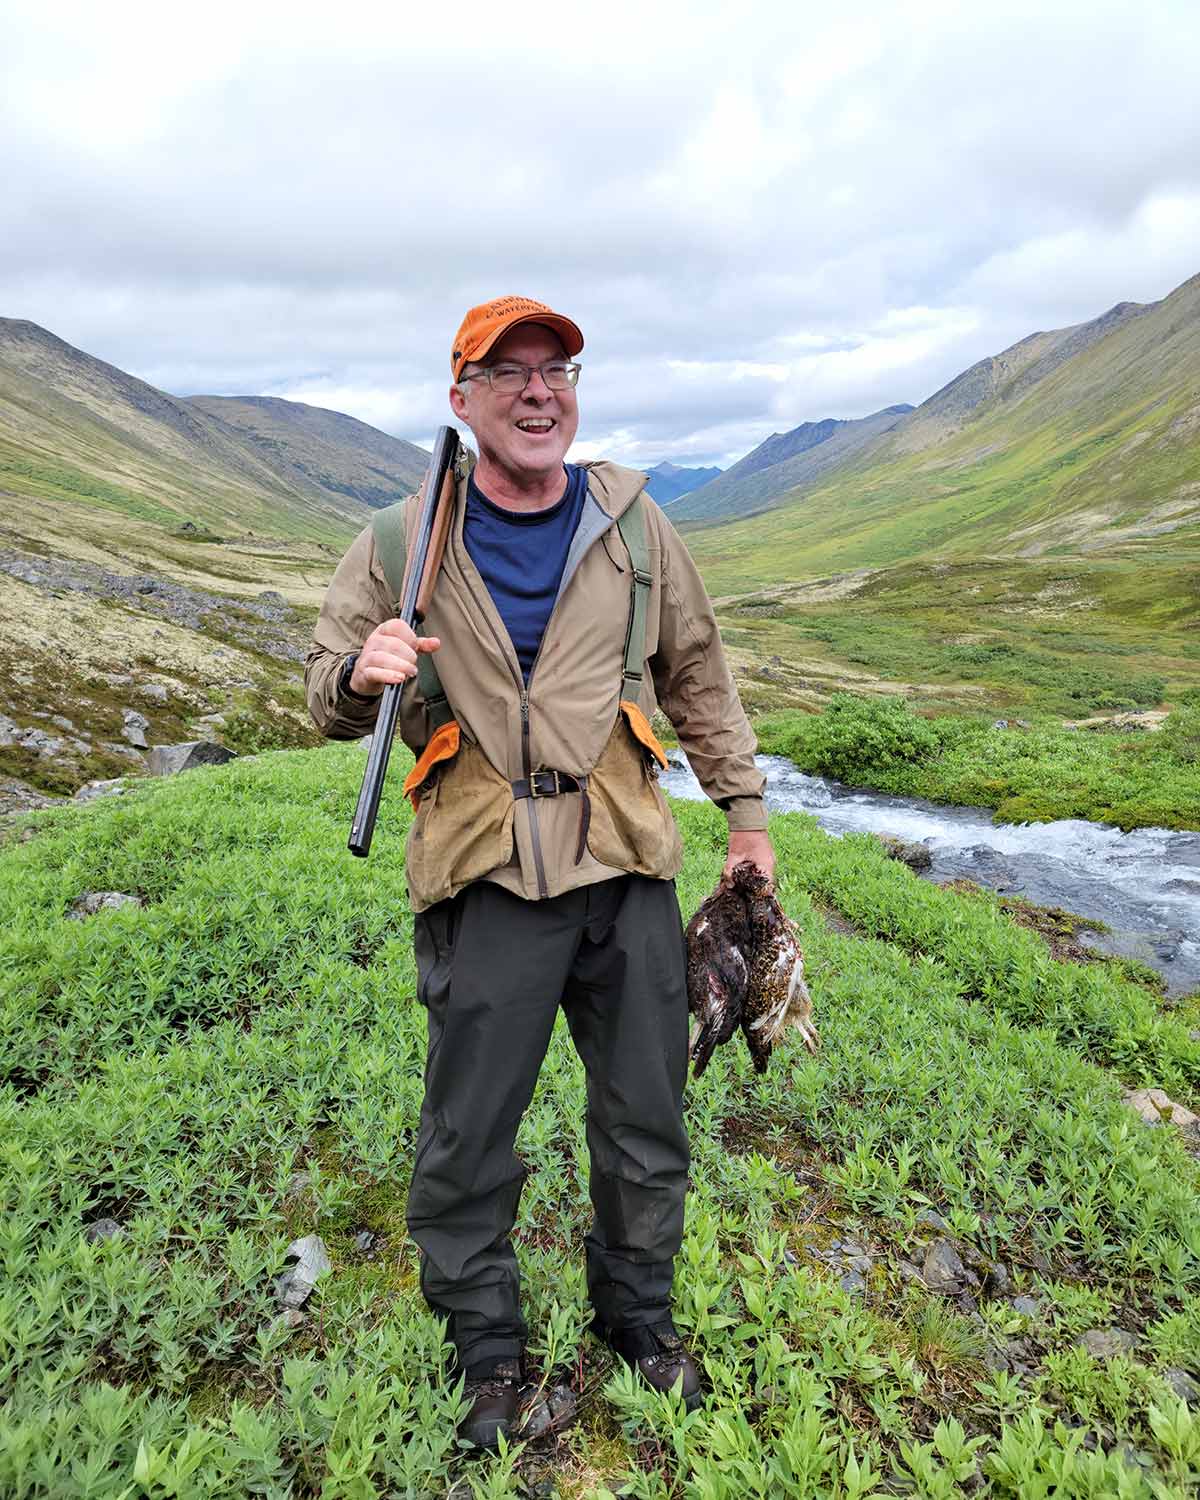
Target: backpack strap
(389,528)
(631,523)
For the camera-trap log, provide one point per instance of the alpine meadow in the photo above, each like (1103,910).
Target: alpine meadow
(955,1252)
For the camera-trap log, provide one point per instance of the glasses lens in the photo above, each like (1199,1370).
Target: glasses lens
(557,374)
(508,379)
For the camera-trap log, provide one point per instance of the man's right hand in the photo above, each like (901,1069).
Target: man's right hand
(389,654)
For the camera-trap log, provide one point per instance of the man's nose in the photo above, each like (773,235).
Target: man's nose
(536,388)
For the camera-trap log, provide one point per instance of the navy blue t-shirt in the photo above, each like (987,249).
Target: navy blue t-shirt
(521,555)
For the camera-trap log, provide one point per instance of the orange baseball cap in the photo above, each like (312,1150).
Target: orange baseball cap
(484,324)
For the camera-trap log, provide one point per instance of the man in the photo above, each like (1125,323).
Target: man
(542,857)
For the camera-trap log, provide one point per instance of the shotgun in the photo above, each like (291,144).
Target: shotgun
(424,559)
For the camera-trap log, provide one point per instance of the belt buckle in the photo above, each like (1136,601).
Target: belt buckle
(533,784)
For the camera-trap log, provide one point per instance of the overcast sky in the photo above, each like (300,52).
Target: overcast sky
(758,217)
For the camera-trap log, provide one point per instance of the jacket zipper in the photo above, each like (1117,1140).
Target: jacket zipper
(539,863)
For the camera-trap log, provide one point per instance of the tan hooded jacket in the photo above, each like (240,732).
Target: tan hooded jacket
(570,717)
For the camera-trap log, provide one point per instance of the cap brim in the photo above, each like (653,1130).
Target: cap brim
(568,332)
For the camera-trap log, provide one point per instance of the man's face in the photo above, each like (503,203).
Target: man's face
(528,434)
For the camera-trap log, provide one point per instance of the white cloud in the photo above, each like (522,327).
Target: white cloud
(759,217)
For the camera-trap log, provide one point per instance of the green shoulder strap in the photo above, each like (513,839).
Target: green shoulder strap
(391,543)
(631,523)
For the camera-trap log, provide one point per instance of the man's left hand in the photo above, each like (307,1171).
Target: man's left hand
(755,846)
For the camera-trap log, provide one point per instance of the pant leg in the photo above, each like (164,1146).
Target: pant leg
(491,969)
(626,1004)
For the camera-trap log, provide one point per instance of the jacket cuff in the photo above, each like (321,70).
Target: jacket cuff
(745,814)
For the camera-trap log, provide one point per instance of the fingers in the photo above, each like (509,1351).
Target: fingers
(389,655)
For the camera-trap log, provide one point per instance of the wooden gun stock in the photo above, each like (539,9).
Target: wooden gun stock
(424,559)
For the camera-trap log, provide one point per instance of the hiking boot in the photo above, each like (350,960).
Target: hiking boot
(662,1359)
(494,1390)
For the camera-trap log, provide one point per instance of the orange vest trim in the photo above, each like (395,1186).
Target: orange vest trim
(442,746)
(642,732)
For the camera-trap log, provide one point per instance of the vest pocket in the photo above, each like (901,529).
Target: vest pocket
(631,825)
(463,828)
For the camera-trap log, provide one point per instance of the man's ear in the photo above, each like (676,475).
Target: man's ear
(458,403)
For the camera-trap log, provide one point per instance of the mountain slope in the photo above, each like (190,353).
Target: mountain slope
(784,461)
(667,481)
(1082,441)
(337,453)
(75,430)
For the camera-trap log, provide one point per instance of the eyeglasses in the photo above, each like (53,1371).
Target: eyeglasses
(511,379)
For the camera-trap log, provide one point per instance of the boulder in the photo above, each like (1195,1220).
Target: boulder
(101,1229)
(115,788)
(1157,1109)
(170,760)
(1105,1343)
(943,1270)
(548,1411)
(915,856)
(312,1261)
(135,727)
(96,901)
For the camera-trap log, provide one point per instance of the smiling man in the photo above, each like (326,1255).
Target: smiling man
(541,860)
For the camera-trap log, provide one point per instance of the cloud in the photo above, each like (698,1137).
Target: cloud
(758,218)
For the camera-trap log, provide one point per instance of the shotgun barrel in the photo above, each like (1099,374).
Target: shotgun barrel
(445,450)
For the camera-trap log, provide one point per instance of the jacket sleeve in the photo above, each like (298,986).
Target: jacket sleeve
(695,688)
(357,600)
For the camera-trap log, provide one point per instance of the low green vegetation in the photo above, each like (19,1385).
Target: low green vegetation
(237,1062)
(1135,779)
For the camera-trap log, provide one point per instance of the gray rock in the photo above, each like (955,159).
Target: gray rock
(97,901)
(934,1220)
(170,760)
(292,1317)
(1183,1385)
(1028,1307)
(95,789)
(915,856)
(298,1182)
(1153,1106)
(997,1278)
(101,1229)
(136,725)
(364,1240)
(269,596)
(62,721)
(549,1411)
(943,1270)
(154,691)
(295,1286)
(853,1281)
(1105,1343)
(909,1272)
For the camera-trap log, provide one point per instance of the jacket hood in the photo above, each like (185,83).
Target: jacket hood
(613,486)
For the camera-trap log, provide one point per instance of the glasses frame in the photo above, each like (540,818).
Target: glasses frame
(571,367)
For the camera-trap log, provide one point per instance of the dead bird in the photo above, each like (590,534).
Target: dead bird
(718,968)
(745,969)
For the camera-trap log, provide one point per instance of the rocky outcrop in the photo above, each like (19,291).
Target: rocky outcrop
(170,760)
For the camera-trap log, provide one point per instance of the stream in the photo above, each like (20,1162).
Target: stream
(1144,886)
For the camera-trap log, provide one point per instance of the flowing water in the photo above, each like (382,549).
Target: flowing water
(1144,886)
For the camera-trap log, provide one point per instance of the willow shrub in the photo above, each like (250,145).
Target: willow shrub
(239,1062)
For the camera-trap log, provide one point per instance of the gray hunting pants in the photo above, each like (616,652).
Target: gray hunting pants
(492,971)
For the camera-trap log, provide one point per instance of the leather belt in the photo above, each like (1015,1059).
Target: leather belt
(546,784)
(553,784)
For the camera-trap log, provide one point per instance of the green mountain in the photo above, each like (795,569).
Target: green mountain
(337,453)
(1075,443)
(782,462)
(78,431)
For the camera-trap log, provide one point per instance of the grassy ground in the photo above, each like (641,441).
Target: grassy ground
(1135,779)
(238,1062)
(1068,637)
